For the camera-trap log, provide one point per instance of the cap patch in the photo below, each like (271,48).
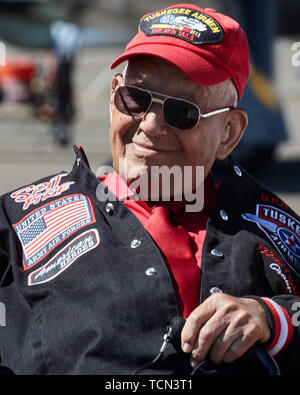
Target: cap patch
(184,23)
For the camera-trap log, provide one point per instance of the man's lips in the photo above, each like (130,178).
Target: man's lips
(150,150)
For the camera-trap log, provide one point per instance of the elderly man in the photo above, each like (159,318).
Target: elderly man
(91,284)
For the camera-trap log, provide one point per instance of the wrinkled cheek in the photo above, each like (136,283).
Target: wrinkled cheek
(120,138)
(117,133)
(116,145)
(202,158)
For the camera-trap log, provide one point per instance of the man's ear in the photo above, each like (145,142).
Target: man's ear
(235,124)
(115,82)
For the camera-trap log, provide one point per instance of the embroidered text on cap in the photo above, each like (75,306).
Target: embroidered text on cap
(184,23)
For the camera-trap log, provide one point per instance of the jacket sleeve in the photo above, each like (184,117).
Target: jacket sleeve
(283,314)
(282,305)
(285,345)
(14,311)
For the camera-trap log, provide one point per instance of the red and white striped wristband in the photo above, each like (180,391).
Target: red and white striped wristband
(283,327)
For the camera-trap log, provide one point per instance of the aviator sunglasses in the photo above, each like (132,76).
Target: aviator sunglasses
(178,113)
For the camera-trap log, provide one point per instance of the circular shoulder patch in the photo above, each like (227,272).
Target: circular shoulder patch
(184,23)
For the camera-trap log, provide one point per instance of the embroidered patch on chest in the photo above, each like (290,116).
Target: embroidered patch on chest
(46,227)
(184,23)
(34,194)
(282,229)
(82,244)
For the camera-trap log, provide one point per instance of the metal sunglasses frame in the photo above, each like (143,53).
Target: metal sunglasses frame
(155,99)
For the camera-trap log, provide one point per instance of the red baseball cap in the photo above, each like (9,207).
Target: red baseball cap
(207,46)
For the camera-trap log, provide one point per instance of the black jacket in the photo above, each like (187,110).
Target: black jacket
(78,294)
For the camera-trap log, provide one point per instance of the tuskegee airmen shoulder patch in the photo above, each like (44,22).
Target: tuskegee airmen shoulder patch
(184,23)
(282,229)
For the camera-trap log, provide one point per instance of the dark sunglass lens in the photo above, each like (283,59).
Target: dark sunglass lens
(180,114)
(132,101)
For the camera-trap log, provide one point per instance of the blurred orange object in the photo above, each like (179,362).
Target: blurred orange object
(15,80)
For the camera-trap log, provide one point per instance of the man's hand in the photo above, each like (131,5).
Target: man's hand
(224,327)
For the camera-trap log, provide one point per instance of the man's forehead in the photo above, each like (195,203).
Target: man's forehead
(143,64)
(161,76)
(145,68)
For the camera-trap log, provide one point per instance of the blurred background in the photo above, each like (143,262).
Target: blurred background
(54,86)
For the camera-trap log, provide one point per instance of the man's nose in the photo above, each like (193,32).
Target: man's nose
(153,122)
